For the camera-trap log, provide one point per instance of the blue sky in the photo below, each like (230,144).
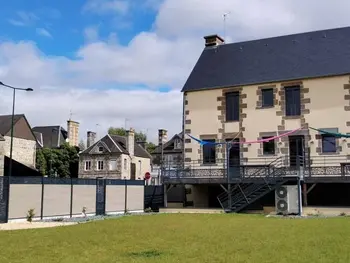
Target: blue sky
(65,21)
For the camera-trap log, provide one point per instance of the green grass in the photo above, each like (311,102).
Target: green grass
(183,238)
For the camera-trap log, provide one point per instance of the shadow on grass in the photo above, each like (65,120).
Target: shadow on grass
(146,254)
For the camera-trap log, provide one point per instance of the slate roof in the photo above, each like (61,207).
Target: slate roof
(117,144)
(299,56)
(5,122)
(48,136)
(158,149)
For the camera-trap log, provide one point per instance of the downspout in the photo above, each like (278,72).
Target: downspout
(183,130)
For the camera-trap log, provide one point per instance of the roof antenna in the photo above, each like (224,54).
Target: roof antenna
(70,114)
(224,16)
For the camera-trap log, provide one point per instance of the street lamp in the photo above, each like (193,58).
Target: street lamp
(12,119)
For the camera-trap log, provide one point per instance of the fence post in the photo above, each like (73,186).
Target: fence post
(42,198)
(71,197)
(126,197)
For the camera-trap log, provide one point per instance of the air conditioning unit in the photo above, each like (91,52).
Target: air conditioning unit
(286,197)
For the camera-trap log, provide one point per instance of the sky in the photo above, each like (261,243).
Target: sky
(123,63)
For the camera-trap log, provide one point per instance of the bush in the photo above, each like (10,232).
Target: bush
(148,210)
(30,215)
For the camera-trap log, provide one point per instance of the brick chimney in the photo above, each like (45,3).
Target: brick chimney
(130,141)
(213,40)
(91,136)
(162,136)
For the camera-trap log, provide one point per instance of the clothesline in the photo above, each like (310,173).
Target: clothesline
(203,142)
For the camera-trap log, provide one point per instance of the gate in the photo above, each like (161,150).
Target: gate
(100,196)
(4,196)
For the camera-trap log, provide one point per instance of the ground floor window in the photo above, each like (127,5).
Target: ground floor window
(87,165)
(268,147)
(209,153)
(100,165)
(328,144)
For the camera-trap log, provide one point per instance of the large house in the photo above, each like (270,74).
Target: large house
(24,140)
(258,89)
(114,157)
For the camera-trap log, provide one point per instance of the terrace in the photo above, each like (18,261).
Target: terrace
(330,168)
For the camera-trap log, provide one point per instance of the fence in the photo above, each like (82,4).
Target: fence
(58,197)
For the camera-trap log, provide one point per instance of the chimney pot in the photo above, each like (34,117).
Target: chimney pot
(213,40)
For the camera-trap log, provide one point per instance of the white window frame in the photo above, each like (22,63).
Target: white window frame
(125,164)
(110,165)
(99,149)
(86,166)
(100,165)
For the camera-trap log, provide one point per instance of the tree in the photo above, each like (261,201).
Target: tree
(62,162)
(81,145)
(150,147)
(139,136)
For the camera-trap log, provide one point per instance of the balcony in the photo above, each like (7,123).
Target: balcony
(315,168)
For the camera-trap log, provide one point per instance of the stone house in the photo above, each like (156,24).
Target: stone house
(50,136)
(114,157)
(24,140)
(172,151)
(257,89)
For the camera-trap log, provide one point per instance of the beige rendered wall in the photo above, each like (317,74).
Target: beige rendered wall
(56,200)
(143,165)
(135,197)
(24,197)
(115,198)
(325,104)
(84,196)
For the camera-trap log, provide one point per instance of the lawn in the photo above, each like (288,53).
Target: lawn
(183,238)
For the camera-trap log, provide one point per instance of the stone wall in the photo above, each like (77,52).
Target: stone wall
(2,142)
(105,173)
(24,151)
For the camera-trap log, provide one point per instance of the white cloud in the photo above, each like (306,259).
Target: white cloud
(43,32)
(106,6)
(163,56)
(91,33)
(24,19)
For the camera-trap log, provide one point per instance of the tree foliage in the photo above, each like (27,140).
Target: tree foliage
(139,137)
(60,162)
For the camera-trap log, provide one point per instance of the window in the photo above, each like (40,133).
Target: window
(125,164)
(268,147)
(113,165)
(232,106)
(292,98)
(87,165)
(100,149)
(177,144)
(267,98)
(209,153)
(329,143)
(100,165)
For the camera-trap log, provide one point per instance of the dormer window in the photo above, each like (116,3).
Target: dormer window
(100,149)
(177,144)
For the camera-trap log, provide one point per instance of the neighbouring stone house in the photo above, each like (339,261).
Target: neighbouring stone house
(50,136)
(2,153)
(24,140)
(114,157)
(172,151)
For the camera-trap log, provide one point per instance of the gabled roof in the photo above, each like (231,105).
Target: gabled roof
(292,57)
(50,137)
(5,122)
(158,149)
(117,144)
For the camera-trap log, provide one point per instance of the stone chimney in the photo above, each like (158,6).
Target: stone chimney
(130,141)
(162,136)
(73,132)
(91,136)
(213,40)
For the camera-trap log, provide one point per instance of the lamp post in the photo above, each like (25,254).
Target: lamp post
(12,119)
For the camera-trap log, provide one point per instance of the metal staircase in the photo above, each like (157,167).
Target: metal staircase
(247,191)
